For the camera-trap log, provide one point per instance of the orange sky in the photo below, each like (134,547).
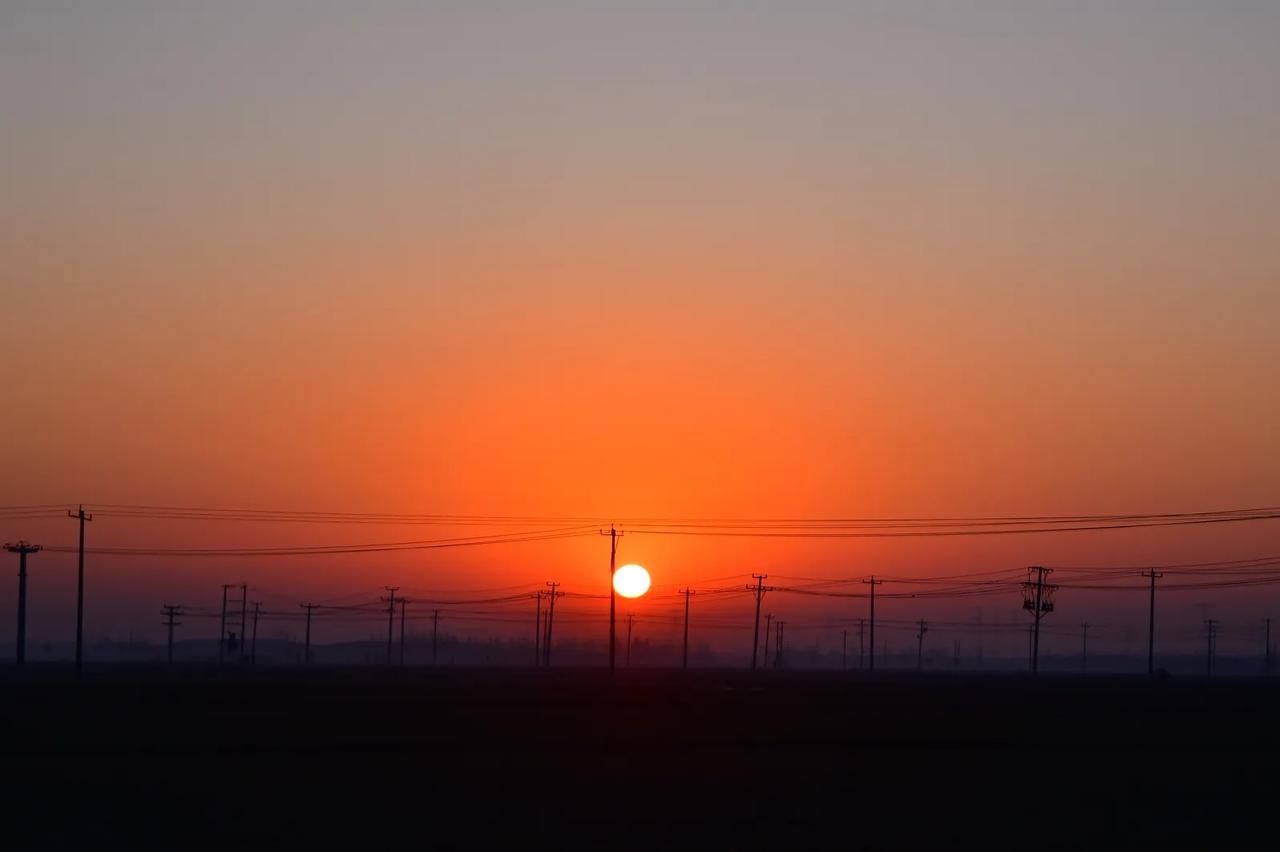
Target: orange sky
(638,264)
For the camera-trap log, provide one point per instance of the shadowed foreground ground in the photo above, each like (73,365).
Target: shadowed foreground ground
(474,758)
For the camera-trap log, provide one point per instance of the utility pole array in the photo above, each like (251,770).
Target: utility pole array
(171,612)
(23,549)
(1151,621)
(759,588)
(82,517)
(1040,603)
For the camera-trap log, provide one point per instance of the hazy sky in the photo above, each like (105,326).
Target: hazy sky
(664,258)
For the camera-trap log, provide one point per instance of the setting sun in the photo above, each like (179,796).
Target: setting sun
(631,581)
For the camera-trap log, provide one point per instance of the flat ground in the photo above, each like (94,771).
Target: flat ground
(474,758)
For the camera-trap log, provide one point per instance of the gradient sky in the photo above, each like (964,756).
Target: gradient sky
(678,259)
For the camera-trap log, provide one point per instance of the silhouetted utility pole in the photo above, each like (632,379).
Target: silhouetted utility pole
(22,548)
(923,629)
(613,534)
(684,657)
(170,612)
(253,645)
(873,582)
(759,588)
(844,650)
(82,517)
(244,616)
(435,633)
(537,631)
(391,616)
(403,601)
(1151,621)
(862,624)
(222,625)
(1084,647)
(1038,597)
(631,622)
(1266,654)
(306,647)
(551,619)
(777,649)
(1211,637)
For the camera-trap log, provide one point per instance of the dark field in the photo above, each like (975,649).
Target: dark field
(292,758)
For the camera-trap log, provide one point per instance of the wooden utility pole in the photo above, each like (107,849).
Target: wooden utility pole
(1038,599)
(759,588)
(1151,621)
(82,517)
(23,549)
(873,582)
(614,533)
(170,612)
(306,647)
(551,619)
(684,657)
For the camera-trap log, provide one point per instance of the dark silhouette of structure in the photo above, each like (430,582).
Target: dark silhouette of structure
(873,582)
(1151,621)
(82,517)
(23,549)
(759,588)
(613,534)
(170,613)
(1038,598)
(391,616)
(551,620)
(306,645)
(684,656)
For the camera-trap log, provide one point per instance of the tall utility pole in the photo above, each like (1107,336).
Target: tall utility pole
(844,650)
(222,625)
(1266,652)
(777,647)
(537,631)
(22,548)
(82,517)
(403,601)
(631,622)
(1084,647)
(244,616)
(759,588)
(1038,597)
(613,534)
(873,582)
(923,629)
(306,647)
(768,627)
(551,619)
(684,657)
(253,646)
(862,624)
(391,616)
(435,633)
(1211,638)
(1151,621)
(170,612)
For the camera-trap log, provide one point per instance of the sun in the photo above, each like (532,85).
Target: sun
(631,581)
